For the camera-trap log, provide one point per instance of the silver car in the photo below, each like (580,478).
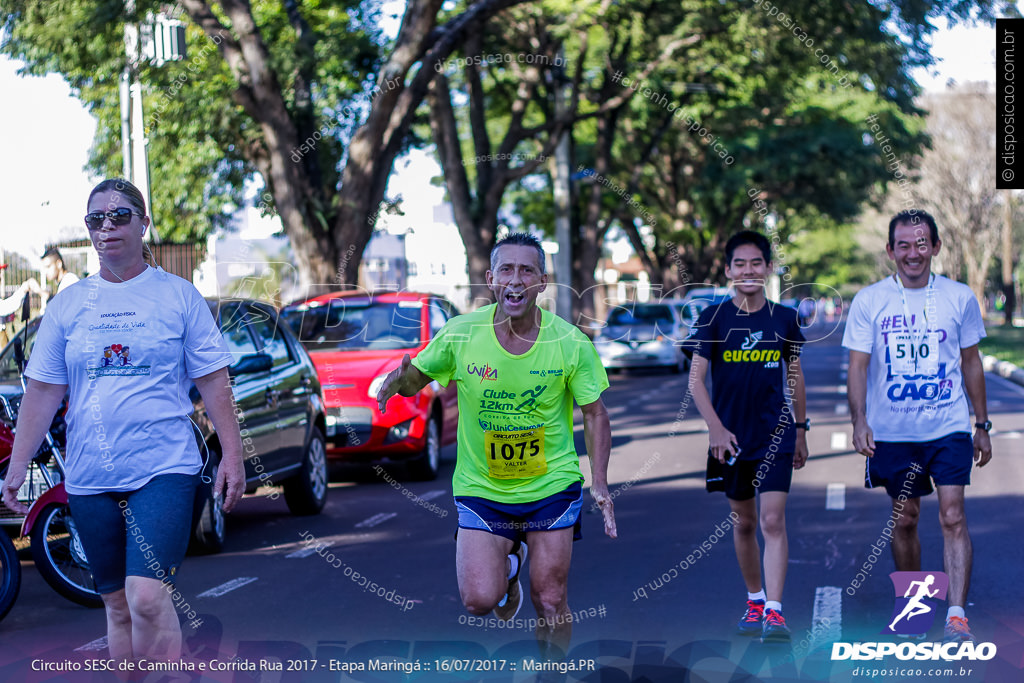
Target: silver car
(644,335)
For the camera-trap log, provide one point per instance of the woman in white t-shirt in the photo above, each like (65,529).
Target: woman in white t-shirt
(129,341)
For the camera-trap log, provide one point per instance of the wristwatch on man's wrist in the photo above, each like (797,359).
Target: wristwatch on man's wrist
(986,425)
(805,425)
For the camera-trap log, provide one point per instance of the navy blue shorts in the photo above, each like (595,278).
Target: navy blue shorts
(136,533)
(910,467)
(514,520)
(742,481)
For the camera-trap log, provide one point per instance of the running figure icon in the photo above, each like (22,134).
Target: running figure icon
(915,608)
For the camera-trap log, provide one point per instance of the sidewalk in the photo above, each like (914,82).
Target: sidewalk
(1003,368)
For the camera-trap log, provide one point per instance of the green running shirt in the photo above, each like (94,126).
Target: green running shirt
(515,436)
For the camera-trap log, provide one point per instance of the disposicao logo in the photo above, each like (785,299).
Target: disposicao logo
(914,610)
(916,601)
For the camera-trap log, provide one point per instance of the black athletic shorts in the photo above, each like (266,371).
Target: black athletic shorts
(773,472)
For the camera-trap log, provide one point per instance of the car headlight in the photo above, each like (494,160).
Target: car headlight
(376,384)
(399,432)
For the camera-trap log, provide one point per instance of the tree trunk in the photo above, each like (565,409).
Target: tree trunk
(329,255)
(977,269)
(477,238)
(591,230)
(259,93)
(589,253)
(476,209)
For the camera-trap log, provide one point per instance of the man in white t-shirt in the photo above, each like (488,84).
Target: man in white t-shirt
(54,271)
(913,340)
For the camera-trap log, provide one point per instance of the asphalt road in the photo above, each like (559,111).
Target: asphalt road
(270,599)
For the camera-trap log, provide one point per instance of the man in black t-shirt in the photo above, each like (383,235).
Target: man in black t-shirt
(755,442)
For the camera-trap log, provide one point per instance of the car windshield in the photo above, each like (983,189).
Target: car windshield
(349,325)
(642,315)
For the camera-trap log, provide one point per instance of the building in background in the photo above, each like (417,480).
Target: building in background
(415,246)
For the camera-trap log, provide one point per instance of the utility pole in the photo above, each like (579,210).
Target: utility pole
(140,45)
(126,119)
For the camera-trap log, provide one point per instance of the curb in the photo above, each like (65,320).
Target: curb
(1003,368)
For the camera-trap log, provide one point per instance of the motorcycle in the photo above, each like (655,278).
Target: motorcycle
(56,547)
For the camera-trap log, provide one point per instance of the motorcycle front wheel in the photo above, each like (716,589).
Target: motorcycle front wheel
(57,551)
(10,574)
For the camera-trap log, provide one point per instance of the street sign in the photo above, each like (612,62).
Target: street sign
(163,40)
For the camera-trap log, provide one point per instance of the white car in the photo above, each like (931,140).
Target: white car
(644,335)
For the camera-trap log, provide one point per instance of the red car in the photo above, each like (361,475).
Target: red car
(355,339)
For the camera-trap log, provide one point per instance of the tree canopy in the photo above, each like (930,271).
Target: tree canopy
(727,104)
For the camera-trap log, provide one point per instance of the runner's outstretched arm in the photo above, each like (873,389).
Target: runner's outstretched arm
(974,384)
(857,395)
(597,432)
(405,380)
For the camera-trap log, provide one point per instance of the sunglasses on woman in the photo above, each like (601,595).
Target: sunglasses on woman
(118,216)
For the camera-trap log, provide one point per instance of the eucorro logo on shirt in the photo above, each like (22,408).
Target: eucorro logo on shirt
(751,355)
(751,340)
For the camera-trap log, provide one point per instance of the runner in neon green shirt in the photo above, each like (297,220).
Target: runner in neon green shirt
(517,409)
(517,479)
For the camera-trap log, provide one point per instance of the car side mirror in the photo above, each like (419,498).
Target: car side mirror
(253,363)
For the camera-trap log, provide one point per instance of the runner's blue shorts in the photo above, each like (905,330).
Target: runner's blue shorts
(910,467)
(136,533)
(514,520)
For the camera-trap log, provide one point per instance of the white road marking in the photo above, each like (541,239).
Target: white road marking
(376,519)
(827,618)
(231,585)
(94,646)
(842,409)
(835,497)
(1009,435)
(304,552)
(838,441)
(431,495)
